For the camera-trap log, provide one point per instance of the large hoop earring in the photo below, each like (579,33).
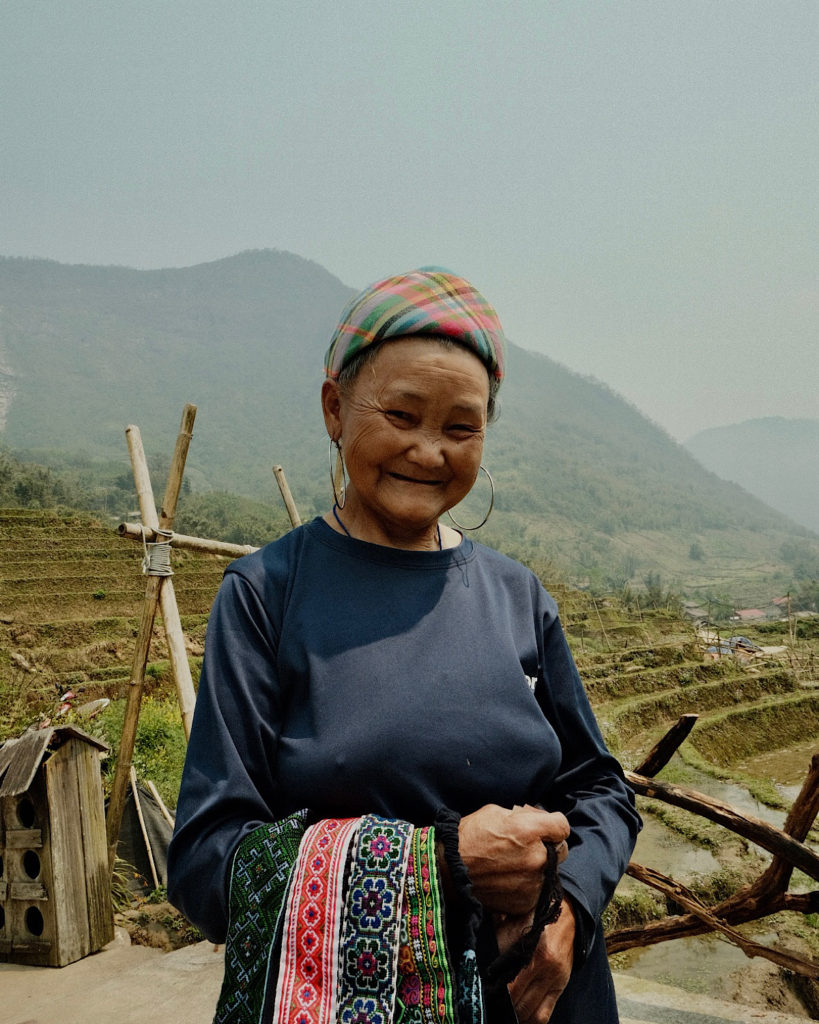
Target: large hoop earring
(338,474)
(491,505)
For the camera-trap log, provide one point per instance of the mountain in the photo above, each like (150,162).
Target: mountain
(774,458)
(583,479)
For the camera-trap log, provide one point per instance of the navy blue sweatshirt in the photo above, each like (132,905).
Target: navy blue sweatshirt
(352,678)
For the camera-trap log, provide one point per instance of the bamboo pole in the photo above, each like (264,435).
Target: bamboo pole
(166,814)
(133,531)
(289,504)
(142,826)
(167,596)
(153,589)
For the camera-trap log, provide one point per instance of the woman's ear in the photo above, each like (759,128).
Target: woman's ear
(331,407)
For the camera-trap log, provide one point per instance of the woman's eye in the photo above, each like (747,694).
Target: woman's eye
(398,414)
(463,428)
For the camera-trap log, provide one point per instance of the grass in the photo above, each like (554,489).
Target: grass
(159,752)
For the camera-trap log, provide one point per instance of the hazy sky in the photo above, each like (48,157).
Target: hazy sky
(634,185)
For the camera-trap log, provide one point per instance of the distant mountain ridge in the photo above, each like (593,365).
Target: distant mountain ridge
(583,479)
(774,458)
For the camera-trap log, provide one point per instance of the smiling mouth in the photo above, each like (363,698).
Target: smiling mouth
(415,480)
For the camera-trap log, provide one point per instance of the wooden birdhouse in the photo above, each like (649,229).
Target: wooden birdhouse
(55,901)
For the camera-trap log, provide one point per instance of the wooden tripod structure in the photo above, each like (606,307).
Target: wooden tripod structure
(768,894)
(160,595)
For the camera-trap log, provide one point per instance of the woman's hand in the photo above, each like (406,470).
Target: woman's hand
(536,989)
(504,853)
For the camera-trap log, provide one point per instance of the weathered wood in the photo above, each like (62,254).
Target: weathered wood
(760,832)
(289,504)
(95,851)
(765,896)
(798,824)
(153,588)
(20,759)
(66,880)
(133,531)
(24,838)
(662,752)
(733,911)
(689,901)
(27,891)
(178,655)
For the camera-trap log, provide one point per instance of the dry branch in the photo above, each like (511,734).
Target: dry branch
(760,832)
(732,911)
(689,901)
(662,752)
(766,895)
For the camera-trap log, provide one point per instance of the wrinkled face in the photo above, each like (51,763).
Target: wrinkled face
(411,427)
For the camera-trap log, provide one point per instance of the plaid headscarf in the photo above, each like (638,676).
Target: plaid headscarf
(428,301)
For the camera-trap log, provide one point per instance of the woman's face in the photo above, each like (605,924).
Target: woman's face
(411,428)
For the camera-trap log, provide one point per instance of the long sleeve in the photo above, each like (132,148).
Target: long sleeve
(228,786)
(589,789)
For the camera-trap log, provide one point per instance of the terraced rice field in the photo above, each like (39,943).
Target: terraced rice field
(70,603)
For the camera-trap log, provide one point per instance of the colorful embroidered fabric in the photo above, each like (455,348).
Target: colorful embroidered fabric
(372,920)
(308,970)
(425,988)
(368,948)
(258,886)
(428,301)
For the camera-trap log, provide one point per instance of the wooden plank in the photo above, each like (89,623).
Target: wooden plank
(95,850)
(72,939)
(4,888)
(27,891)
(24,838)
(21,759)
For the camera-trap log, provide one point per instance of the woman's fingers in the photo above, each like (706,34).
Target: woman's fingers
(504,852)
(538,986)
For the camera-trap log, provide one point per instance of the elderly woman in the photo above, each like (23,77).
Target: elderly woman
(378,662)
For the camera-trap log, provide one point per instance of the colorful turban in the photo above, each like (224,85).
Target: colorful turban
(429,301)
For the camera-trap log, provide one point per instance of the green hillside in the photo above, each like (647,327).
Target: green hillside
(585,482)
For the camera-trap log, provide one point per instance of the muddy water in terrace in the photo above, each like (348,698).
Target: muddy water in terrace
(787,768)
(704,964)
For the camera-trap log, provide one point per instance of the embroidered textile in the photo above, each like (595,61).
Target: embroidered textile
(308,971)
(258,887)
(348,916)
(371,925)
(428,301)
(425,987)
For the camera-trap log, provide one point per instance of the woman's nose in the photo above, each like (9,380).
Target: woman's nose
(427,450)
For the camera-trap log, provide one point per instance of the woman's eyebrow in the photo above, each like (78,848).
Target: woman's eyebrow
(415,395)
